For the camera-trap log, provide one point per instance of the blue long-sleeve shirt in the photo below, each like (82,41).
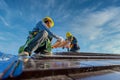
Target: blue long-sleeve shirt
(40,26)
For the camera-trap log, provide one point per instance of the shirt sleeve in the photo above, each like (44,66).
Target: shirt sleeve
(74,41)
(41,26)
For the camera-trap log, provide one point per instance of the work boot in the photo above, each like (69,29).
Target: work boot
(47,53)
(36,56)
(24,56)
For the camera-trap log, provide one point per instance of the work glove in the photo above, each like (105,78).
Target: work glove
(60,39)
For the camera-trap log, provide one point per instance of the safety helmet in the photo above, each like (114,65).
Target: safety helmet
(68,34)
(49,19)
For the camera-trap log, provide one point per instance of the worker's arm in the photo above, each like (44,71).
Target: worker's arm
(64,43)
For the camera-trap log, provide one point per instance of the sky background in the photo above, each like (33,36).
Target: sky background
(95,23)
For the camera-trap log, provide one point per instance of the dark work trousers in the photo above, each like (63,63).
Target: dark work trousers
(37,41)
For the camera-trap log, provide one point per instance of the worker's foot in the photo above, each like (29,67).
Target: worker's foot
(24,56)
(49,53)
(36,56)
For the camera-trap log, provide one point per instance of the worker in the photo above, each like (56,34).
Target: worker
(70,43)
(74,47)
(39,39)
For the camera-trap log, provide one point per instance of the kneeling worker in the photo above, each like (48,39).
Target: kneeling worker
(70,43)
(74,47)
(39,39)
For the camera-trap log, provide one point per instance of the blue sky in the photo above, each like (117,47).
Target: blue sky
(95,23)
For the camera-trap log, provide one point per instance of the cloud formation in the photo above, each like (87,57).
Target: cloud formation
(96,24)
(97,29)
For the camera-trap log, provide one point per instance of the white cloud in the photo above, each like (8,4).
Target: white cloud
(4,21)
(107,44)
(92,24)
(2,38)
(99,29)
(3,5)
(50,4)
(6,9)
